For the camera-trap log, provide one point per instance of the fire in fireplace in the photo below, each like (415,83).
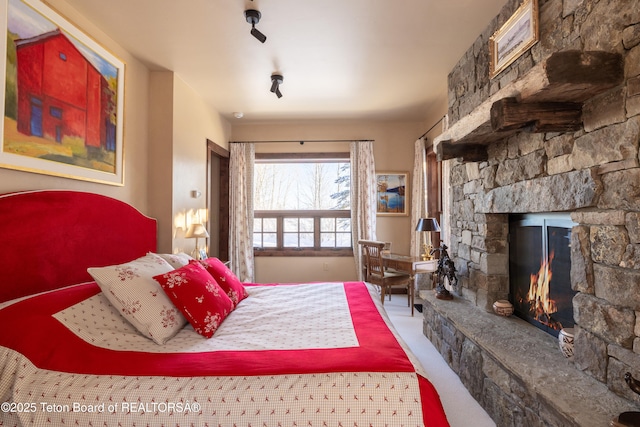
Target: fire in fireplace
(539,270)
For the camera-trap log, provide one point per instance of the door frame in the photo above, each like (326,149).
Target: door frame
(218,155)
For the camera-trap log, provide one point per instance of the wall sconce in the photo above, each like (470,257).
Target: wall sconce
(427,225)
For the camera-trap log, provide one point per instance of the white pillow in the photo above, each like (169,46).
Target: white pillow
(176,260)
(132,291)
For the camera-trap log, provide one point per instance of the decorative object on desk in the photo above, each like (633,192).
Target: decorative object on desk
(392,193)
(197,231)
(427,225)
(502,307)
(446,270)
(565,342)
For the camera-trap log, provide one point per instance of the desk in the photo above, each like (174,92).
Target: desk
(410,265)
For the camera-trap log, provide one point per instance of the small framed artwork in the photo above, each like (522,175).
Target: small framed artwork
(514,38)
(392,193)
(64,98)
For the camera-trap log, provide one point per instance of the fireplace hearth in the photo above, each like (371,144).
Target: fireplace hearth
(539,270)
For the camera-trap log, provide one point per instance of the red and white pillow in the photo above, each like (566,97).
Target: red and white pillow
(132,291)
(198,296)
(225,278)
(176,260)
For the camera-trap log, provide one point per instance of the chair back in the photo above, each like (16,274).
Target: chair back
(372,255)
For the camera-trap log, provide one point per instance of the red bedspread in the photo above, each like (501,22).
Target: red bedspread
(28,328)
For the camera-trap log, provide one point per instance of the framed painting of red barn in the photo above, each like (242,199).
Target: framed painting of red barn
(63,98)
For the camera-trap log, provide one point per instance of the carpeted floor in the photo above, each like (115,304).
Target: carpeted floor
(461,409)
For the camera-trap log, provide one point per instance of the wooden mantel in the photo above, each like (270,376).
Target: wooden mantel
(548,98)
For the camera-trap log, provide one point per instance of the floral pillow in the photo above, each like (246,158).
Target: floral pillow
(198,296)
(176,260)
(132,291)
(225,278)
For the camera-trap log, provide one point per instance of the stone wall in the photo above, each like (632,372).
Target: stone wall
(593,173)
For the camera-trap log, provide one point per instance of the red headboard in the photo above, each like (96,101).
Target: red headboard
(49,238)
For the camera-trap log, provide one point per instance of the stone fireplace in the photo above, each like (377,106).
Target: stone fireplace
(590,175)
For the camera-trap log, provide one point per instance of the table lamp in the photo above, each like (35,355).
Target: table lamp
(427,225)
(196,231)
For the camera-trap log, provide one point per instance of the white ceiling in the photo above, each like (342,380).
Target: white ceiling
(341,59)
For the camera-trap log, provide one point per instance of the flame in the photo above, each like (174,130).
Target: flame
(541,306)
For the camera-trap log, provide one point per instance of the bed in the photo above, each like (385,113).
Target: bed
(309,354)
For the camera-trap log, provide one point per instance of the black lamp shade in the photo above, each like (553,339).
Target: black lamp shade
(427,224)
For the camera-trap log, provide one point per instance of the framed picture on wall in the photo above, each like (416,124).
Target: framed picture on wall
(514,38)
(64,98)
(392,193)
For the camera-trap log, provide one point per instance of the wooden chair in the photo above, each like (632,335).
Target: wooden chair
(377,274)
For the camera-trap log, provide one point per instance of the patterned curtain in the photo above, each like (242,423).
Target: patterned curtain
(418,201)
(241,160)
(363,197)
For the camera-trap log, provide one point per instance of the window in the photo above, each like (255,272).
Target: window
(302,204)
(55,112)
(62,56)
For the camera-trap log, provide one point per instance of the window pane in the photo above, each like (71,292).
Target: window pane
(328,240)
(290,240)
(344,224)
(343,240)
(302,185)
(306,224)
(270,240)
(257,225)
(328,224)
(306,240)
(270,224)
(291,225)
(257,240)
(55,112)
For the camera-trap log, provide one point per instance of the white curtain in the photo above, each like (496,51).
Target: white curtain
(363,197)
(418,192)
(241,161)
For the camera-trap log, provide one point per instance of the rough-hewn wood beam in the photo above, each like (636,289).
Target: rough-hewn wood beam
(564,77)
(468,152)
(573,76)
(509,114)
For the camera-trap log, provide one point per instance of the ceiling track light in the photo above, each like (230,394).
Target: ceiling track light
(253,17)
(276,81)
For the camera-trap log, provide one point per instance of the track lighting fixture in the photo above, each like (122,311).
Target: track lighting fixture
(276,81)
(253,17)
